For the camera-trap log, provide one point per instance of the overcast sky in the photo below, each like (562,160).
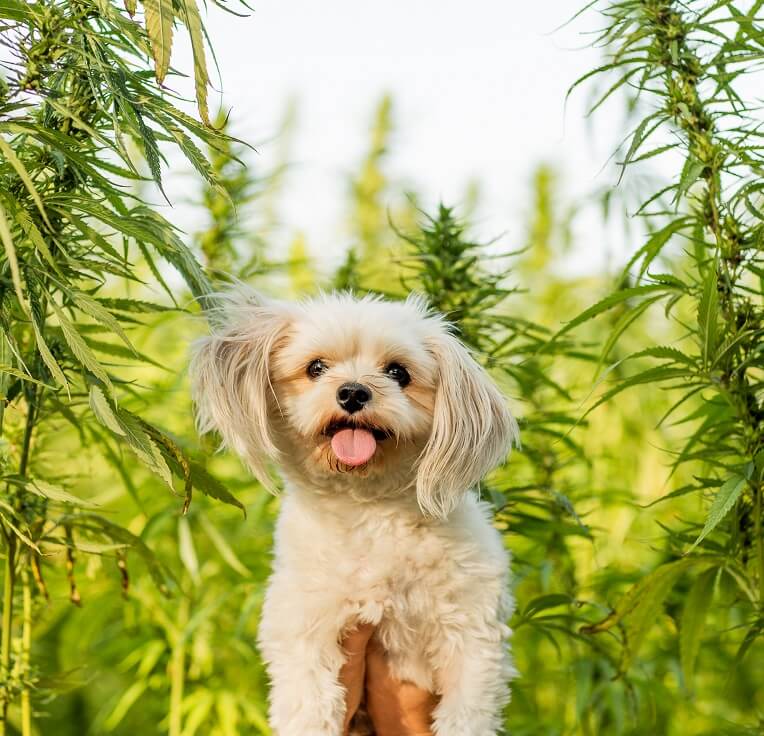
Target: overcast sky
(479,92)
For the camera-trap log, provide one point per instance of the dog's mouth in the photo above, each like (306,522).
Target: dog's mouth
(378,432)
(354,443)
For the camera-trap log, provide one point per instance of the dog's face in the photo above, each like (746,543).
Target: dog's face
(343,391)
(355,385)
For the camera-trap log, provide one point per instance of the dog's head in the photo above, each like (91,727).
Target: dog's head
(358,391)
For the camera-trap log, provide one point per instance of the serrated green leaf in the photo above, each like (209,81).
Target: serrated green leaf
(708,315)
(47,357)
(724,500)
(135,305)
(21,170)
(693,621)
(97,311)
(663,352)
(143,446)
(609,302)
(104,413)
(622,324)
(33,233)
(55,493)
(201,76)
(637,611)
(651,375)
(212,487)
(636,141)
(80,348)
(120,351)
(655,244)
(25,538)
(159,17)
(13,263)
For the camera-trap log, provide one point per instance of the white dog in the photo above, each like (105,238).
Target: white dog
(381,423)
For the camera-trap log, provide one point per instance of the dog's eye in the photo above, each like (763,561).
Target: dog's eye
(316,368)
(399,374)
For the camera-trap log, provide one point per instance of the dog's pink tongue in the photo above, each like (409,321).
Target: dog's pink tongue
(354,446)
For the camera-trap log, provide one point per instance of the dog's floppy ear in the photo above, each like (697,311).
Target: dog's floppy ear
(472,428)
(230,376)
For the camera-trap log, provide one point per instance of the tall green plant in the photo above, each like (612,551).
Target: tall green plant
(702,265)
(80,105)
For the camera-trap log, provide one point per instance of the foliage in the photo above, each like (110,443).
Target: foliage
(78,104)
(690,60)
(633,616)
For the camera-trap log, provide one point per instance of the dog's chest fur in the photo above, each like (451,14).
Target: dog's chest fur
(419,580)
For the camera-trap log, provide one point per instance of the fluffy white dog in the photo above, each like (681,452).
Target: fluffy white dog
(381,423)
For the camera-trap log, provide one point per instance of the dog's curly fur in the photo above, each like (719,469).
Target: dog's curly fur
(400,541)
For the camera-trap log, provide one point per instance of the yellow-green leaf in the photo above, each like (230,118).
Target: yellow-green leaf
(225,550)
(724,500)
(708,315)
(33,233)
(103,411)
(201,77)
(104,316)
(159,29)
(80,348)
(47,357)
(56,493)
(639,608)
(15,161)
(13,262)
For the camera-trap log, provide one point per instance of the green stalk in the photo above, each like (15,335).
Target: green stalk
(26,655)
(760,544)
(10,574)
(7,630)
(5,359)
(10,562)
(178,671)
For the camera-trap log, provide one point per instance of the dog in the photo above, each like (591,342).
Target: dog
(382,425)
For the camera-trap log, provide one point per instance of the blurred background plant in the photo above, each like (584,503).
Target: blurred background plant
(633,516)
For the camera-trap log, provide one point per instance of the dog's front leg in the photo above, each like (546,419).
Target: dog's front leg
(299,639)
(474,685)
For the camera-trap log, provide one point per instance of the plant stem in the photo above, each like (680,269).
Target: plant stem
(10,574)
(7,630)
(760,543)
(26,654)
(28,430)
(178,670)
(5,359)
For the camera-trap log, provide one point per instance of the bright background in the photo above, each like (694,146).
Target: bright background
(478,96)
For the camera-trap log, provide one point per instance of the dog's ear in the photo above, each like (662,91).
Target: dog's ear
(230,377)
(472,429)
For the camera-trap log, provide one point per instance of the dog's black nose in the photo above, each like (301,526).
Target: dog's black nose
(353,396)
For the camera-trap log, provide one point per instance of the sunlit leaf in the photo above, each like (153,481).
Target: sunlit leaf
(159,20)
(723,502)
(201,76)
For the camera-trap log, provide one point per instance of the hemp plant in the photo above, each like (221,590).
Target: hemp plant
(683,65)
(81,109)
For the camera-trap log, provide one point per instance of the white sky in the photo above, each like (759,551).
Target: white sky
(478,87)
